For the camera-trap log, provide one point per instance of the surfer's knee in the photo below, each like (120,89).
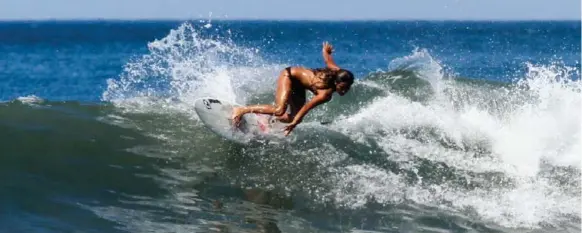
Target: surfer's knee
(280,110)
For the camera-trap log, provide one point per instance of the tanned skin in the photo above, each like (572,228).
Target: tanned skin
(294,95)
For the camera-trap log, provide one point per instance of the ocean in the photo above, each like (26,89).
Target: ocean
(451,126)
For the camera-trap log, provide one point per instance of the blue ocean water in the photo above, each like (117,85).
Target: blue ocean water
(453,126)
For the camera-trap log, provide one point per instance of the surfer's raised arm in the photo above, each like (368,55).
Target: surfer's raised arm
(327,50)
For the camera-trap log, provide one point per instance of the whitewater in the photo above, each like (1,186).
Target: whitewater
(450,127)
(411,139)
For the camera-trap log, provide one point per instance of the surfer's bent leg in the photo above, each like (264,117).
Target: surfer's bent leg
(281,97)
(296,102)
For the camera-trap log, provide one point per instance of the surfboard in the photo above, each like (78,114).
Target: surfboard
(216,115)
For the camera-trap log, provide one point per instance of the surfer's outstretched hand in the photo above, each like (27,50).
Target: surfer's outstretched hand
(289,128)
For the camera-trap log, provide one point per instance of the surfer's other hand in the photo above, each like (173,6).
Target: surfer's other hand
(289,128)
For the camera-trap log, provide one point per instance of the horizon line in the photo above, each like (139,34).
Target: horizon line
(286,19)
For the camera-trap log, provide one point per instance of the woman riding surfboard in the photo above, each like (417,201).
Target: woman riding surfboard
(292,85)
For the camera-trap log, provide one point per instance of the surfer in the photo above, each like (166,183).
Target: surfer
(292,84)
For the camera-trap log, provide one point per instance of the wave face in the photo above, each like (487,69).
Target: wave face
(413,148)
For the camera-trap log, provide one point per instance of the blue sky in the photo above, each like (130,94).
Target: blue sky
(297,9)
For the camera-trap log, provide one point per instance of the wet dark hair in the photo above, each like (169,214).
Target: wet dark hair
(332,77)
(344,76)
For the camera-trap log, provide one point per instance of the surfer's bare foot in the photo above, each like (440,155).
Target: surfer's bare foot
(236,115)
(285,118)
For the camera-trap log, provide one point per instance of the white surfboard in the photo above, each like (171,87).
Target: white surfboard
(216,114)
